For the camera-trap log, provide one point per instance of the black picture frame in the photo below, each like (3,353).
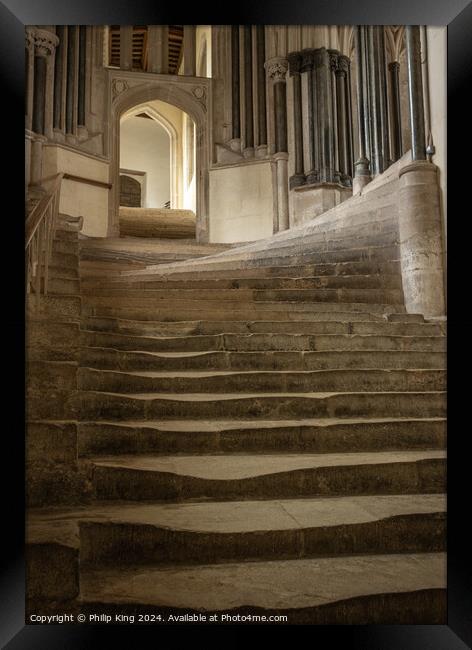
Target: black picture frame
(457,15)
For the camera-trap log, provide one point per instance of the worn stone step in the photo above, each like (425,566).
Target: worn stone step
(260,342)
(63,307)
(52,374)
(212,381)
(132,297)
(64,260)
(271,257)
(49,340)
(367,589)
(283,270)
(66,246)
(271,311)
(143,328)
(90,405)
(53,441)
(64,232)
(61,285)
(220,436)
(111,359)
(243,476)
(267,284)
(201,533)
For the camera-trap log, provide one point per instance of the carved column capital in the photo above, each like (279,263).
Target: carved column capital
(308,59)
(333,57)
(29,37)
(44,42)
(276,68)
(294,63)
(343,65)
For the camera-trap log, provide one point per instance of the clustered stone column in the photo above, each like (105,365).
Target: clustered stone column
(322,117)
(362,165)
(248,91)
(277,69)
(294,64)
(40,46)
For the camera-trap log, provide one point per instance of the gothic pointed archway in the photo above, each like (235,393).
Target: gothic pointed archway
(191,95)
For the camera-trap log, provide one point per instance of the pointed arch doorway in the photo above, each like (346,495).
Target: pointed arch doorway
(133,93)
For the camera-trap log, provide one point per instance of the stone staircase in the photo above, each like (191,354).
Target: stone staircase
(263,432)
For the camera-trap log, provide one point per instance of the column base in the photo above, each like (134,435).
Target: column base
(235,145)
(296,180)
(309,201)
(261,151)
(248,152)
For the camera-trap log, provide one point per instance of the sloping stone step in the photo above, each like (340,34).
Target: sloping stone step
(219,436)
(212,381)
(242,476)
(266,342)
(248,530)
(90,405)
(111,359)
(342,326)
(405,588)
(283,270)
(156,296)
(272,311)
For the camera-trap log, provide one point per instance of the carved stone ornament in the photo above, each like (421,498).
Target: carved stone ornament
(308,60)
(277,68)
(118,87)
(44,42)
(294,62)
(29,37)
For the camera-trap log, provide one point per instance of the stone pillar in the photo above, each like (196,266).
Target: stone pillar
(248,150)
(342,114)
(126,47)
(277,69)
(71,79)
(58,77)
(190,55)
(309,112)
(415,92)
(420,234)
(44,48)
(29,76)
(382,75)
(396,123)
(361,166)
(81,75)
(261,91)
(374,93)
(334,175)
(294,62)
(235,89)
(154,45)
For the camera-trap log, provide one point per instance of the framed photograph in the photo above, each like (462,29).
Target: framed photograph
(232,316)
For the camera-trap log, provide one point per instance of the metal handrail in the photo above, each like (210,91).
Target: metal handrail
(40,227)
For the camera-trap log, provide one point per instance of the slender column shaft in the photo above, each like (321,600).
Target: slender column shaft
(362,163)
(310,138)
(280,101)
(377,160)
(333,166)
(248,97)
(261,85)
(190,57)
(397,151)
(70,79)
(58,77)
(382,75)
(39,93)
(294,61)
(350,149)
(81,75)
(366,93)
(415,92)
(342,122)
(235,84)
